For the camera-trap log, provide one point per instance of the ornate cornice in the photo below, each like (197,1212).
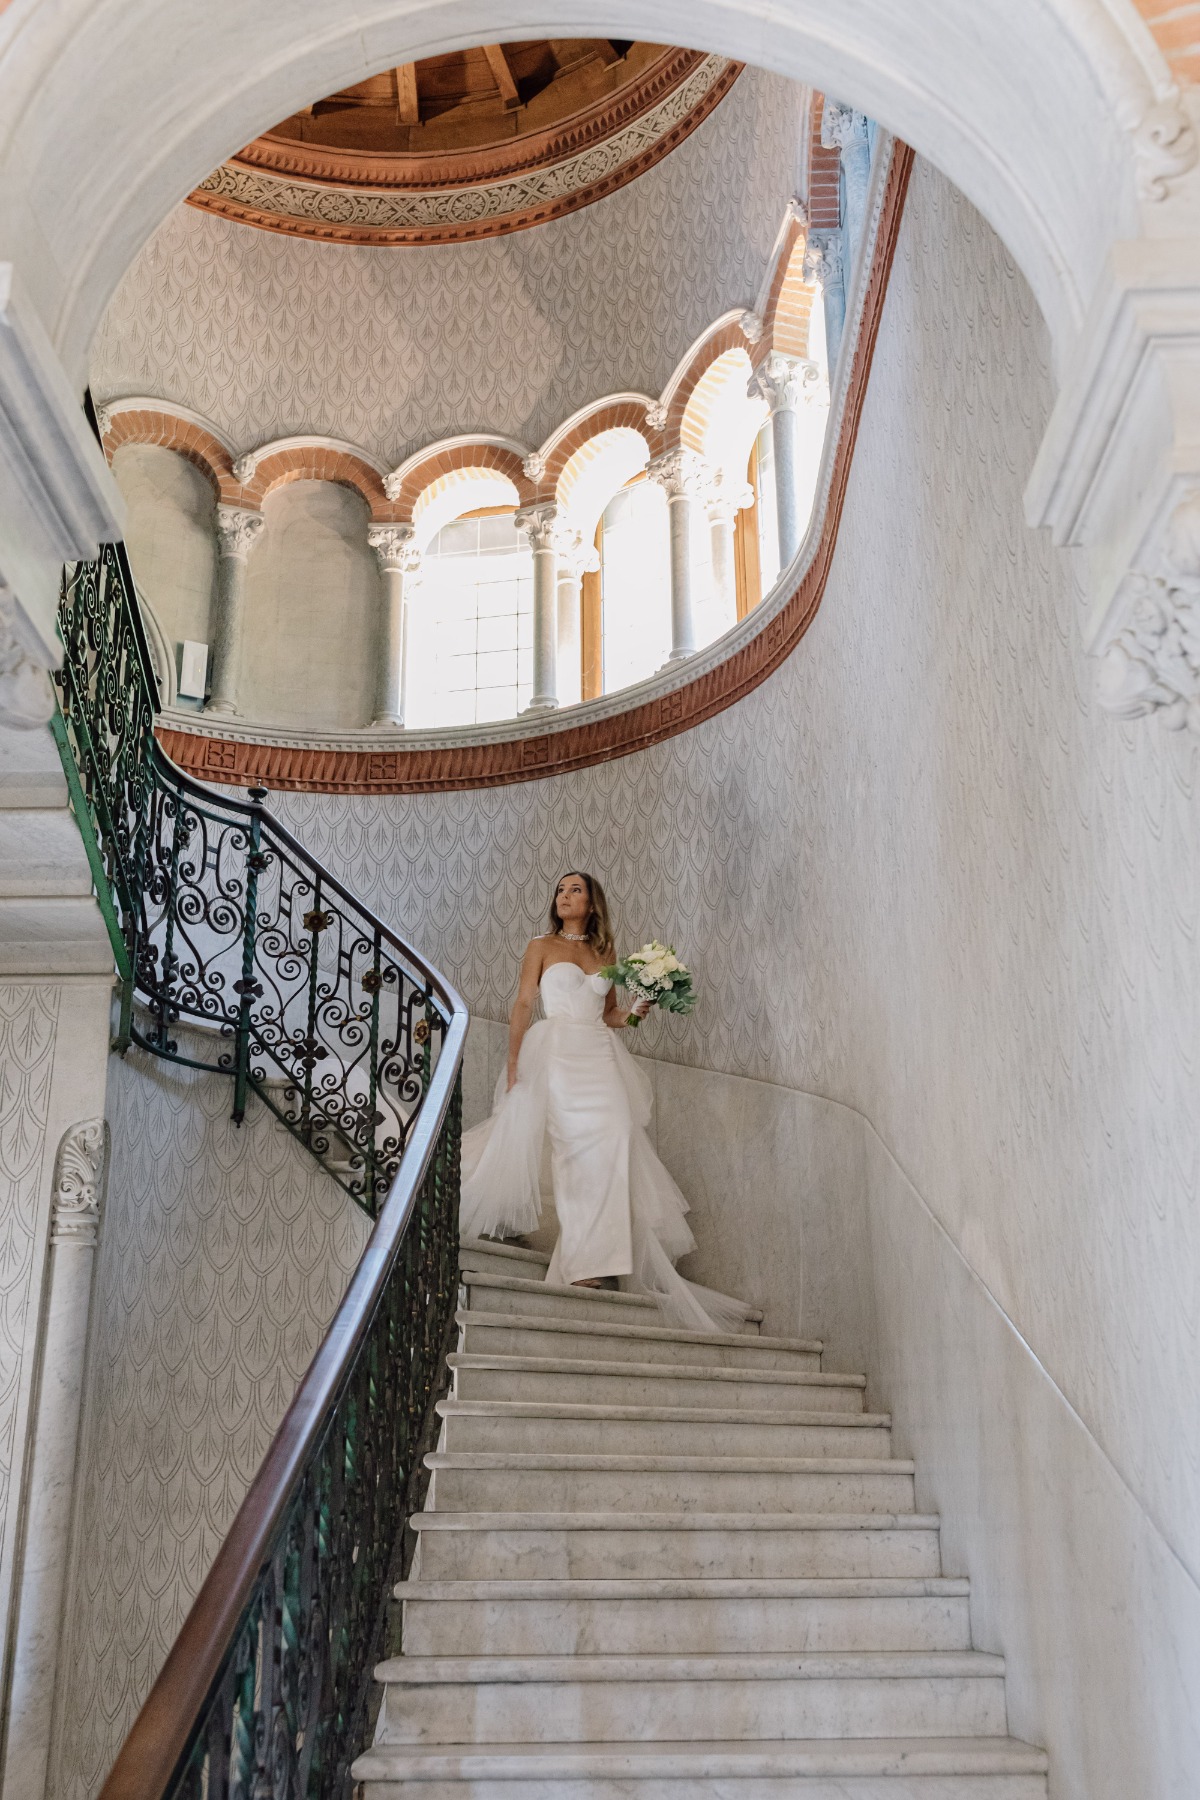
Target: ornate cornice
(297,189)
(608,728)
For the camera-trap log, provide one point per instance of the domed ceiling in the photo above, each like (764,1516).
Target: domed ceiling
(470,144)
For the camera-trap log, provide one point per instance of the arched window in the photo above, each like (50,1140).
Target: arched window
(635,585)
(470,624)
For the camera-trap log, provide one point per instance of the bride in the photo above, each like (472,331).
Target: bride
(572,1090)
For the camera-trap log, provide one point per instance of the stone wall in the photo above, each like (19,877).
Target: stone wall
(922,876)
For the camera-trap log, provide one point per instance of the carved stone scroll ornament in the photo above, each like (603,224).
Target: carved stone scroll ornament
(1153,663)
(79,1184)
(237,530)
(1164,143)
(26,693)
(395,547)
(823,258)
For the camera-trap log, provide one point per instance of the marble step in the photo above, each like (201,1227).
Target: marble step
(502,1259)
(599,1699)
(494,1481)
(538,1299)
(655,1617)
(544,1379)
(497,1334)
(53,935)
(41,853)
(943,1768)
(521,1425)
(597,1546)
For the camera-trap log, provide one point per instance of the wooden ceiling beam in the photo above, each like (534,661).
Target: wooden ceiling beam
(502,74)
(408,104)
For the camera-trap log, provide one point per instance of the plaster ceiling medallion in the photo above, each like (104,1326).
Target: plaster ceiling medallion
(471,144)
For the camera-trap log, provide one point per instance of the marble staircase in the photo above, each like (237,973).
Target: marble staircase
(660,1565)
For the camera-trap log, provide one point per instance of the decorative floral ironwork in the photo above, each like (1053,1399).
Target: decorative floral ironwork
(221,921)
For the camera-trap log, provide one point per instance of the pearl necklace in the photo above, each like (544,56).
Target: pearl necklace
(574,937)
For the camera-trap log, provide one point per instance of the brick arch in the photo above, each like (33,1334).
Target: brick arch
(791,316)
(607,415)
(186,437)
(728,337)
(316,462)
(722,372)
(1175,29)
(447,460)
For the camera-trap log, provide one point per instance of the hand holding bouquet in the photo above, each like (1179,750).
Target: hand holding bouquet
(655,975)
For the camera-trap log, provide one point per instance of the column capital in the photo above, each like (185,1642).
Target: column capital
(237,530)
(823,257)
(682,474)
(541,525)
(842,128)
(727,500)
(395,548)
(575,558)
(784,382)
(78,1183)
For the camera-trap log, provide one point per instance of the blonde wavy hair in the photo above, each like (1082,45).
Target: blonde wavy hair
(598,928)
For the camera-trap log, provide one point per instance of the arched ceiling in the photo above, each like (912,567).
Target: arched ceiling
(471,143)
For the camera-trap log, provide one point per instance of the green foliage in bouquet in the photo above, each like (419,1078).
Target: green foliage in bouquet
(656,974)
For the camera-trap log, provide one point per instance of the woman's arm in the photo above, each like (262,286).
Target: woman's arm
(522,1013)
(616,1017)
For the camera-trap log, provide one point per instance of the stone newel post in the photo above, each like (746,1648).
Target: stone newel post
(237,531)
(399,561)
(540,525)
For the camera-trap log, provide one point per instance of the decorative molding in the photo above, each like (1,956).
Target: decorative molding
(683,475)
(534,467)
(79,1184)
(610,728)
(237,530)
(1152,664)
(26,691)
(656,415)
(1164,144)
(786,383)
(823,258)
(395,547)
(842,128)
(386,213)
(542,526)
(752,325)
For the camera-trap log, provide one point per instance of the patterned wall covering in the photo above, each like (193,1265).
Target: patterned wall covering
(917,871)
(28,1021)
(222,1256)
(395,348)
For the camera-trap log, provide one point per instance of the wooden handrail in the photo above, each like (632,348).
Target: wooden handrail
(151,1757)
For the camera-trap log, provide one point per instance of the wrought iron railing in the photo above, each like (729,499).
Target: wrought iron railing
(222,921)
(249,958)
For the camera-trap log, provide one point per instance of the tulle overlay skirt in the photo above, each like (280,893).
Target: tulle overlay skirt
(573,1129)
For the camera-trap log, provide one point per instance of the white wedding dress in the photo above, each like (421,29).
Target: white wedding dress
(574,1125)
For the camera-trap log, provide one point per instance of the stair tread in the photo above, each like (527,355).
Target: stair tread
(540,1322)
(519,1253)
(703,1415)
(652,1521)
(780,1757)
(583,1295)
(808,1587)
(565,1365)
(809,1665)
(587,1459)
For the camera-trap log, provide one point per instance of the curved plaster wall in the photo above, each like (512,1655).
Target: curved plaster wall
(926,883)
(393,349)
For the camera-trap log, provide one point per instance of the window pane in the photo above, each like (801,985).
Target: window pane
(470,616)
(635,585)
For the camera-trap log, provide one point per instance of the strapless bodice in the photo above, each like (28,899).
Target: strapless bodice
(567,993)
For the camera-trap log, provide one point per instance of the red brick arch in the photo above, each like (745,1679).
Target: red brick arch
(437,462)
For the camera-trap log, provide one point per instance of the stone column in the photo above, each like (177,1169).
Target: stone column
(237,532)
(686,479)
(399,561)
(785,382)
(823,265)
(723,509)
(541,526)
(74,1224)
(575,560)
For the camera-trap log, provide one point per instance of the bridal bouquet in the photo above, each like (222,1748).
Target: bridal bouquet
(656,974)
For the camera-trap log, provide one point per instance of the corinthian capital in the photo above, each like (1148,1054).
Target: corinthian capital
(841,127)
(823,258)
(394,548)
(237,530)
(541,526)
(683,475)
(726,500)
(785,382)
